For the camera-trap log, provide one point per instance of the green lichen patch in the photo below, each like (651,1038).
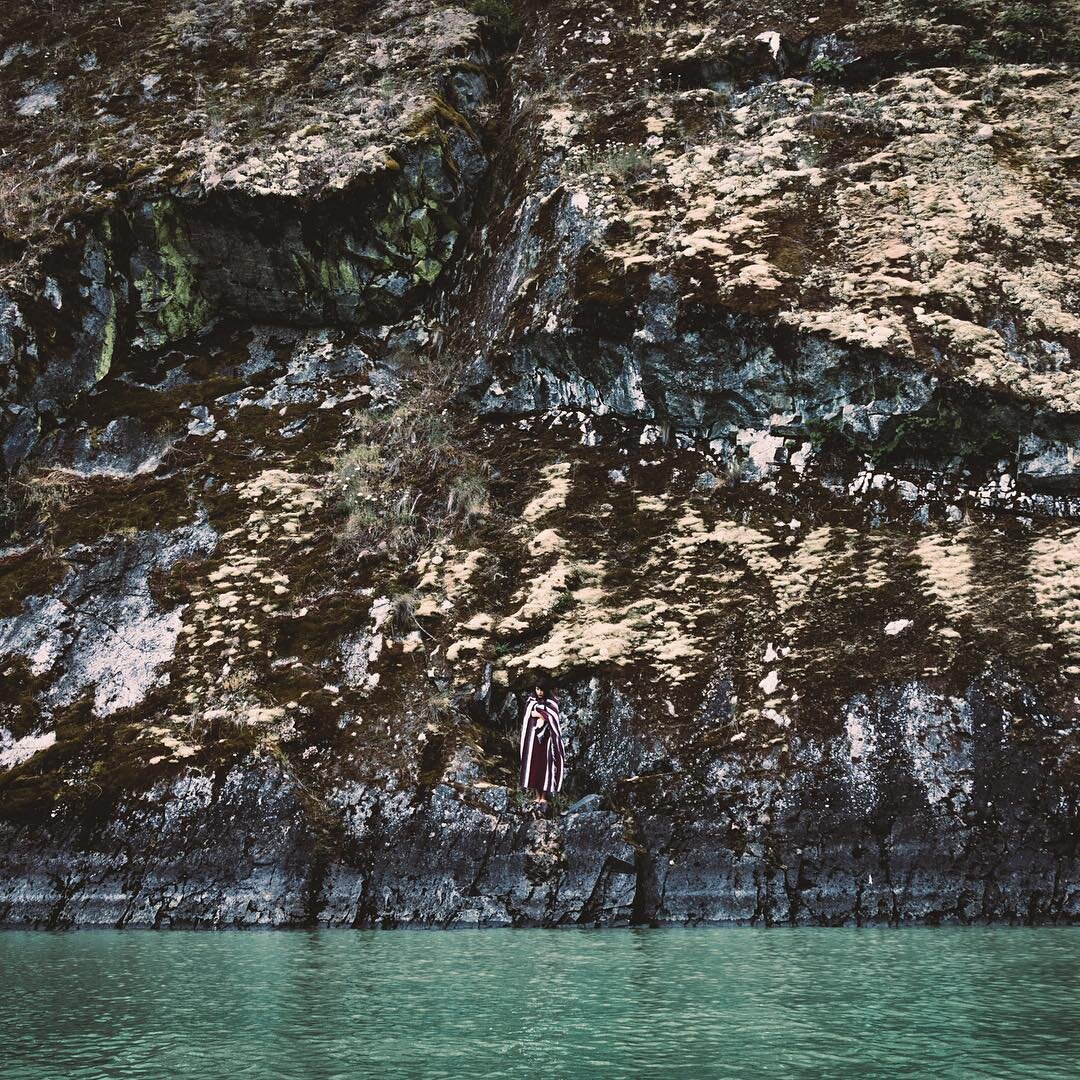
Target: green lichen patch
(955,429)
(166,278)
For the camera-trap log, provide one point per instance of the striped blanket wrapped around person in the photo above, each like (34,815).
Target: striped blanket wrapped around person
(542,757)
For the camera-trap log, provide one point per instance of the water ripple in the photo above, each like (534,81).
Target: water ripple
(729,1004)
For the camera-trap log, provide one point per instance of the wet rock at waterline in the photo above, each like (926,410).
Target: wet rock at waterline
(717,364)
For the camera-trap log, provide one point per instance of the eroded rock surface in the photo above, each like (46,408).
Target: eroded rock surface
(719,363)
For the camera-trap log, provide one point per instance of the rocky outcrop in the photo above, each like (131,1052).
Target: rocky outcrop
(239,851)
(347,218)
(718,364)
(763,263)
(932,809)
(168,267)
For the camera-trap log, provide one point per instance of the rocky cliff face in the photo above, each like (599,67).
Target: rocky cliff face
(359,361)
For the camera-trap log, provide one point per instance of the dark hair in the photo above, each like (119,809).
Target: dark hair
(541,682)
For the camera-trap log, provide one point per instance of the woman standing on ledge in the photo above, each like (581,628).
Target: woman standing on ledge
(541,745)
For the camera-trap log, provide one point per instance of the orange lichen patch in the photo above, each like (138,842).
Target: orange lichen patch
(915,218)
(557,480)
(546,542)
(948,569)
(449,570)
(1055,580)
(538,597)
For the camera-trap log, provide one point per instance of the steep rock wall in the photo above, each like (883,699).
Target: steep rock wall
(737,395)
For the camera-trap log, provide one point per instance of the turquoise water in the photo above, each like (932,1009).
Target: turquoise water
(534,1003)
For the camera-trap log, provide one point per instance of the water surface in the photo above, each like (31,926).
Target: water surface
(532,1003)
